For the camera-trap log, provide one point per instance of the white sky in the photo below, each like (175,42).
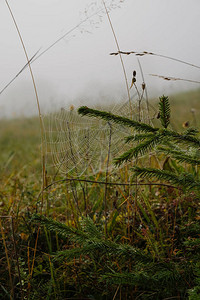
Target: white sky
(79,67)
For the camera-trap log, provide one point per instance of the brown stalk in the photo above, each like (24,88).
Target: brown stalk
(7,258)
(118,48)
(40,120)
(33,262)
(36,96)
(17,258)
(51,46)
(144,89)
(174,78)
(154,54)
(107,174)
(108,183)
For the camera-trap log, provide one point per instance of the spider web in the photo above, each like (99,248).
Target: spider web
(83,146)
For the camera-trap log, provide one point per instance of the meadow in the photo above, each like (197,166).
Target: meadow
(131,233)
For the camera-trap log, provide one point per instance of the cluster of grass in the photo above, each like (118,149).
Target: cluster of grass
(141,241)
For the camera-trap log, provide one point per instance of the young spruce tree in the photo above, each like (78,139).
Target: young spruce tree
(178,147)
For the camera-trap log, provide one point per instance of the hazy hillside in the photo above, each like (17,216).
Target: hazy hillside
(20,138)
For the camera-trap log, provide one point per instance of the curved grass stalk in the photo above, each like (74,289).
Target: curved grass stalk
(175,78)
(118,48)
(155,54)
(37,56)
(7,259)
(36,96)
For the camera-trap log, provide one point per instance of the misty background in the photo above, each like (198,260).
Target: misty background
(79,69)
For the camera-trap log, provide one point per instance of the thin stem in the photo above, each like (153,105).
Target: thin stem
(24,67)
(144,89)
(106,185)
(52,45)
(36,95)
(118,48)
(17,258)
(174,78)
(74,161)
(154,54)
(33,262)
(28,61)
(7,258)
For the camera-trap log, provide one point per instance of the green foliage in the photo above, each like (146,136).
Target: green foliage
(194,293)
(148,138)
(164,110)
(181,156)
(89,239)
(184,180)
(85,111)
(151,248)
(154,276)
(140,149)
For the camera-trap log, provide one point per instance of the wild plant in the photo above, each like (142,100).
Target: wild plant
(153,262)
(179,147)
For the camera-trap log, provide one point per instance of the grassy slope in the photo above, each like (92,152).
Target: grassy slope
(19,144)
(22,136)
(20,157)
(182,106)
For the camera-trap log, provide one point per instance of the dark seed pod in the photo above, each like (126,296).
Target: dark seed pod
(186,124)
(134,73)
(158,116)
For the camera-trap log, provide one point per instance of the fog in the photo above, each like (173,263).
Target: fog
(79,67)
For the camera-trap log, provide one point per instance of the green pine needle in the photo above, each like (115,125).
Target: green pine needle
(84,110)
(164,109)
(185,180)
(140,149)
(138,137)
(180,156)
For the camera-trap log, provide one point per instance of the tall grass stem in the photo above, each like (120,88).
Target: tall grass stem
(36,95)
(118,48)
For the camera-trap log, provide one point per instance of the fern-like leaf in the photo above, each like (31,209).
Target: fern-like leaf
(191,131)
(187,139)
(138,137)
(164,109)
(140,149)
(184,180)
(181,138)
(89,241)
(84,110)
(153,275)
(180,156)
(62,230)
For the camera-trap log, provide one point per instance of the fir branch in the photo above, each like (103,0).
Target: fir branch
(62,230)
(184,138)
(150,275)
(84,110)
(138,137)
(191,131)
(93,246)
(126,278)
(181,156)
(164,109)
(88,226)
(141,148)
(89,240)
(186,180)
